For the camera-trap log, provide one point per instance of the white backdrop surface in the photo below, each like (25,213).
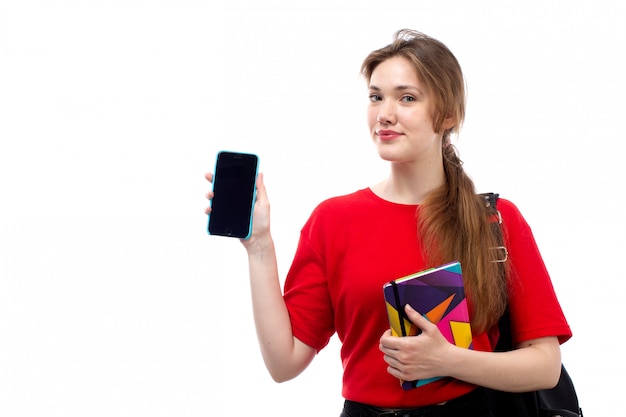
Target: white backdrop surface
(113,299)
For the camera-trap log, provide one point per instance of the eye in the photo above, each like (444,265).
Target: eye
(408,99)
(375,97)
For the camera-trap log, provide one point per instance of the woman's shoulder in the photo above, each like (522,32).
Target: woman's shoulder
(511,214)
(337,205)
(356,197)
(505,205)
(337,210)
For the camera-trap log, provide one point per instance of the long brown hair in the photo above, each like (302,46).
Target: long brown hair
(453,221)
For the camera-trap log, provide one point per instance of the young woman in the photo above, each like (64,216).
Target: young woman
(425,213)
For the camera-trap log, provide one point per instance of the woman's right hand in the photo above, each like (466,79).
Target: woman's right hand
(260,215)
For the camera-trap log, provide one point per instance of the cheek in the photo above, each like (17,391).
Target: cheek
(372,117)
(417,120)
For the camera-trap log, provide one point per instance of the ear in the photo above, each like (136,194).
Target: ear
(448,122)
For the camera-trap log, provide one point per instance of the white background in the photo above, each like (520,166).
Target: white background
(113,299)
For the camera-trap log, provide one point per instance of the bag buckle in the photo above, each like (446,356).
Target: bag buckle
(504,254)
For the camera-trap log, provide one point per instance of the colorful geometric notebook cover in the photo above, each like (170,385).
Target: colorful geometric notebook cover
(439,295)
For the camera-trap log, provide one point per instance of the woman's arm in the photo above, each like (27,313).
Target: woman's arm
(535,364)
(285,356)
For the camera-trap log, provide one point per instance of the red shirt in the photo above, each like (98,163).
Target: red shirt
(350,247)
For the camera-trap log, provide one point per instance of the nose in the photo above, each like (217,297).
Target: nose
(386,113)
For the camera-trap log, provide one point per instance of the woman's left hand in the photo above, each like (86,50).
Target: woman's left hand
(416,357)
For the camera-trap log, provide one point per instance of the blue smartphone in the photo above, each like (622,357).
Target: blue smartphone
(234,187)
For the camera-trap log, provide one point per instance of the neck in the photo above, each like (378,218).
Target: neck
(410,184)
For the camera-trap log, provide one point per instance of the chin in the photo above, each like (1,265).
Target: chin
(387,154)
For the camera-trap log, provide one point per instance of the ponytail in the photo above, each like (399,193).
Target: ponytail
(454,225)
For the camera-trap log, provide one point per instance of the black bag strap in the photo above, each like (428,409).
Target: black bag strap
(491,200)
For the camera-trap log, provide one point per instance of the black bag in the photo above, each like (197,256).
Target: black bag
(559,401)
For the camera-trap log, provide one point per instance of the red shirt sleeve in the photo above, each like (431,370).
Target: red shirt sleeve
(535,310)
(307,293)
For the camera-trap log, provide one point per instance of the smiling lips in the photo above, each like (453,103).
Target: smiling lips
(387,135)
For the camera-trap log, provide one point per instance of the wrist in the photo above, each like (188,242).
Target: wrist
(259,245)
(456,361)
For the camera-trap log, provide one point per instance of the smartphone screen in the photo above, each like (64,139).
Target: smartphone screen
(234,186)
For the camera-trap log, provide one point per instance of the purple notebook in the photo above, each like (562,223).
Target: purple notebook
(439,295)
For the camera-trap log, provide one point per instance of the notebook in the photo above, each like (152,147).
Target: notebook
(439,295)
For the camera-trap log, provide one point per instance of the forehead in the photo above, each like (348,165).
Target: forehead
(394,72)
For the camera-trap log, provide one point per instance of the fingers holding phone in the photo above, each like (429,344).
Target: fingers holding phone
(209,195)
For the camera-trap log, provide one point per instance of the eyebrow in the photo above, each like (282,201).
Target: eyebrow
(399,88)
